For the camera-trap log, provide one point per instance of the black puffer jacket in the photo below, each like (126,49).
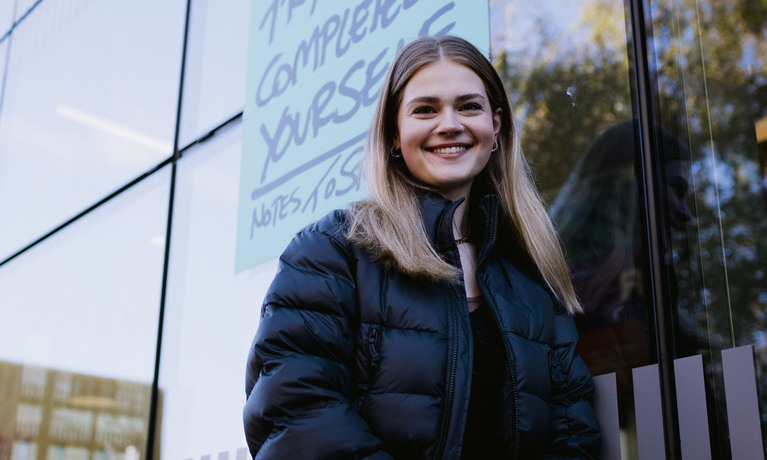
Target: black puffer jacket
(353,361)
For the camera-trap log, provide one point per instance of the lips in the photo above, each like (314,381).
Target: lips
(449,150)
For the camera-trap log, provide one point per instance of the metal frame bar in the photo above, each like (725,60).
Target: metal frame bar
(650,182)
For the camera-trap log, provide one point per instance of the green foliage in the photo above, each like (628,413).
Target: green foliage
(568,78)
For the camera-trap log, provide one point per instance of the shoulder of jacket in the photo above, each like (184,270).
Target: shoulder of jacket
(331,227)
(333,224)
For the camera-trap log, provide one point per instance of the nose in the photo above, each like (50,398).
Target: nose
(681,215)
(684,215)
(449,123)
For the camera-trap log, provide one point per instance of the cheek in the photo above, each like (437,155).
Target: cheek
(486,161)
(411,140)
(410,159)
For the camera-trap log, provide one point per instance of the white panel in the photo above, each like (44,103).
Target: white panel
(649,413)
(606,408)
(691,407)
(742,403)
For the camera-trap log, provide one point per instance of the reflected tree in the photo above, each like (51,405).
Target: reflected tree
(711,62)
(566,67)
(564,92)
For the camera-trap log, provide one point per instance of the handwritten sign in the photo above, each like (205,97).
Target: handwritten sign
(315,68)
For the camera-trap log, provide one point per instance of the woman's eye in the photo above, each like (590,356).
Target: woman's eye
(472,106)
(422,110)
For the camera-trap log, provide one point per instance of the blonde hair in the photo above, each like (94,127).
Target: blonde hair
(389,224)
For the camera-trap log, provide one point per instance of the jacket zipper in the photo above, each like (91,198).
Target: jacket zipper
(509,369)
(373,346)
(453,334)
(506,346)
(375,359)
(446,414)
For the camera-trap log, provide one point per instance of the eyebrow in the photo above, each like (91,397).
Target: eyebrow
(433,100)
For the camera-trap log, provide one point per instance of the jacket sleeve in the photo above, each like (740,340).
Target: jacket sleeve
(298,382)
(573,425)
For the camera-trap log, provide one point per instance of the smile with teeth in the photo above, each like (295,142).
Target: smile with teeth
(449,150)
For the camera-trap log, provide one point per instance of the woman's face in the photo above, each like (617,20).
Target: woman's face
(446,127)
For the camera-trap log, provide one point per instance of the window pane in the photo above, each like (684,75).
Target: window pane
(211,314)
(712,77)
(3,55)
(6,16)
(214,81)
(566,69)
(90,103)
(22,6)
(78,336)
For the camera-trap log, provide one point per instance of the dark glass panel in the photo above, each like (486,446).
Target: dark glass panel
(566,68)
(710,60)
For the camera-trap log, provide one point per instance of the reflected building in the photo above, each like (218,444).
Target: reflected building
(53,414)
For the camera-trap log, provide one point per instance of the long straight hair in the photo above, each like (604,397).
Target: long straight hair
(389,224)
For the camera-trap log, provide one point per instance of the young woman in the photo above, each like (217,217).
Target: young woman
(433,319)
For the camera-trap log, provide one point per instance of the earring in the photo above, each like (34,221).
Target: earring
(495,146)
(395,152)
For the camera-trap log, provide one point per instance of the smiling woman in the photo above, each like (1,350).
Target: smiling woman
(446,127)
(420,276)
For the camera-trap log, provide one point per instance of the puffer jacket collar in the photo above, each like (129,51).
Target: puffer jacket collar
(437,213)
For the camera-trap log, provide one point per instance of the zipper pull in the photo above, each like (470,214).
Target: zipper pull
(375,355)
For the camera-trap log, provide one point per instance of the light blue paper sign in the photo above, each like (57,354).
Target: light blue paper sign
(315,68)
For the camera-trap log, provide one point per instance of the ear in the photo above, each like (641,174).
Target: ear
(395,142)
(497,121)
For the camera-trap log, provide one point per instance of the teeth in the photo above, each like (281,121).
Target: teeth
(450,150)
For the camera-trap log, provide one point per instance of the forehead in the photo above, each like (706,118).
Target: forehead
(444,77)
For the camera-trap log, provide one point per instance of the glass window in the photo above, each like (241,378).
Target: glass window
(23,6)
(211,313)
(3,56)
(78,336)
(711,62)
(567,72)
(90,103)
(6,16)
(214,80)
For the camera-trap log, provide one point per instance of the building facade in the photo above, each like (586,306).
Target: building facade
(124,324)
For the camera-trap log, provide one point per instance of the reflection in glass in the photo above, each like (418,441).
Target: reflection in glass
(565,64)
(566,69)
(23,6)
(87,299)
(3,57)
(597,216)
(79,328)
(89,104)
(214,79)
(6,17)
(70,415)
(710,58)
(567,75)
